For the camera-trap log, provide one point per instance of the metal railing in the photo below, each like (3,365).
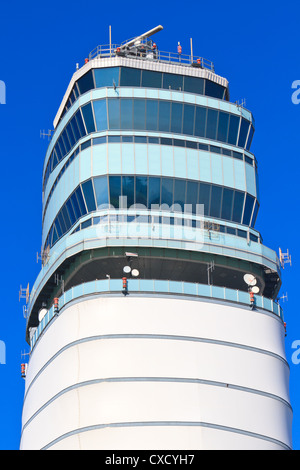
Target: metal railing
(104,51)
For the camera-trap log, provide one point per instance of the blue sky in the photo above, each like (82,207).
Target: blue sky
(254,45)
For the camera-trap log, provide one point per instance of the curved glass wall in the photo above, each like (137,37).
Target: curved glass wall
(157,193)
(150,115)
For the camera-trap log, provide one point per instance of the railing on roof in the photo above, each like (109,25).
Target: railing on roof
(104,51)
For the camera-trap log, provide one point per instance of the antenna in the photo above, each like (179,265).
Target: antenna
(242,103)
(250,280)
(284,258)
(210,269)
(142,36)
(44,134)
(24,293)
(58,279)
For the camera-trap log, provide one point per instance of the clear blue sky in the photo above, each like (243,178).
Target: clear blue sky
(254,45)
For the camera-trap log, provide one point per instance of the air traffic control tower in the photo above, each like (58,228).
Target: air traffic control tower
(153,322)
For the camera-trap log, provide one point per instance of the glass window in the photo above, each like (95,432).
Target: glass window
(61,222)
(216,201)
(71,211)
(152,115)
(178,143)
(66,216)
(204,196)
(211,127)
(255,212)
(248,209)
(233,129)
(88,118)
(57,229)
(86,224)
(80,123)
(65,139)
(139,114)
(58,152)
(80,200)
(100,114)
(88,192)
(238,206)
(188,119)
(114,190)
(101,191)
(70,135)
(128,189)
(107,77)
(191,144)
(130,77)
(172,81)
(250,138)
(99,140)
(166,141)
(153,140)
(75,129)
(243,133)
(114,113)
(200,121)
(141,190)
(223,126)
(151,79)
(86,82)
(192,194)
(86,144)
(167,191)
(213,89)
(75,205)
(194,85)
(176,120)
(153,191)
(164,116)
(179,193)
(227,204)
(126,113)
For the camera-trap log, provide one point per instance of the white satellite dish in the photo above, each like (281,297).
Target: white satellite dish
(255,290)
(250,279)
(127,269)
(135,272)
(42,313)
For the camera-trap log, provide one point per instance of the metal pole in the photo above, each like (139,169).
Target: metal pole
(109,41)
(192,59)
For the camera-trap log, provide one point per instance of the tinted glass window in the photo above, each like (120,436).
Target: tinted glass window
(88,118)
(75,205)
(66,141)
(88,192)
(80,201)
(66,217)
(126,113)
(179,193)
(250,138)
(248,209)
(71,213)
(188,119)
(130,77)
(106,77)
(243,133)
(204,196)
(176,121)
(172,81)
(152,115)
(167,191)
(233,129)
(128,189)
(238,206)
(114,113)
(100,114)
(211,126)
(255,214)
(227,204)
(213,89)
(141,190)
(86,82)
(223,126)
(200,121)
(216,200)
(80,123)
(153,191)
(164,116)
(70,135)
(114,190)
(151,79)
(194,85)
(101,190)
(192,194)
(139,114)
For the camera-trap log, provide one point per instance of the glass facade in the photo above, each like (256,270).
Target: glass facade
(145,192)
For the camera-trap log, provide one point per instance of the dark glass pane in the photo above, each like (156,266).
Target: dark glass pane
(213,89)
(107,77)
(126,113)
(216,200)
(227,204)
(191,145)
(176,120)
(154,191)
(88,192)
(203,147)
(66,216)
(238,206)
(70,135)
(237,155)
(86,82)
(200,121)
(194,85)
(192,194)
(152,115)
(215,149)
(204,196)
(233,129)
(223,126)
(188,119)
(153,140)
(101,190)
(61,145)
(179,193)
(167,191)
(75,205)
(141,190)
(86,224)
(80,123)
(114,190)
(71,213)
(249,141)
(248,209)
(130,77)
(58,152)
(255,212)
(172,81)
(58,230)
(65,139)
(211,127)
(114,113)
(128,189)
(139,114)
(166,141)
(53,159)
(80,201)
(100,114)
(88,118)
(140,139)
(75,129)
(151,79)
(164,116)
(243,133)
(61,222)
(178,143)
(86,144)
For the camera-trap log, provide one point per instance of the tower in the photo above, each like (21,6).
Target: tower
(153,321)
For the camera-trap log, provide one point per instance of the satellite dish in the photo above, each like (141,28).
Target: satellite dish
(127,269)
(135,272)
(42,313)
(250,279)
(255,290)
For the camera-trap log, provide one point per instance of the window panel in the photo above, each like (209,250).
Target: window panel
(70,135)
(167,191)
(192,194)
(204,197)
(114,113)
(216,201)
(139,114)
(238,206)
(151,79)
(101,191)
(164,116)
(128,189)
(211,126)
(88,192)
(80,201)
(71,213)
(194,85)
(66,216)
(176,120)
(223,126)
(213,89)
(141,190)
(248,209)
(107,77)
(200,121)
(243,133)
(172,81)
(61,222)
(255,212)
(65,139)
(88,118)
(75,129)
(80,123)
(153,191)
(250,138)
(86,82)
(233,129)
(130,77)
(188,119)
(57,230)
(126,113)
(226,212)
(179,193)
(114,190)
(152,115)
(75,206)
(100,111)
